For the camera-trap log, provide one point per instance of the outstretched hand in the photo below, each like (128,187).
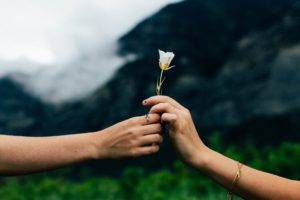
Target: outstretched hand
(183,133)
(137,136)
(134,137)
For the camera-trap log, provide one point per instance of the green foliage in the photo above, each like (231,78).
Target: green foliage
(176,183)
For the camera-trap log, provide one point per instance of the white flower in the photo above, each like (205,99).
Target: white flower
(165,59)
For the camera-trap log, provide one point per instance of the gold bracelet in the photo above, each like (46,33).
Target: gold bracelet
(235,180)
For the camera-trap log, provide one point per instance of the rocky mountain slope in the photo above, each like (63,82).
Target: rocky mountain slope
(237,69)
(20,113)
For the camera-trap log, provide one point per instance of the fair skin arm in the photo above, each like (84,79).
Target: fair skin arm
(131,138)
(253,184)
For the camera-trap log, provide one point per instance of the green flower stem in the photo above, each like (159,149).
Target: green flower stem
(159,86)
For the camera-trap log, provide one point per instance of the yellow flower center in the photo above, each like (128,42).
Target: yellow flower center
(164,66)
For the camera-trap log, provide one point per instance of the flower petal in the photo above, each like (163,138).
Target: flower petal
(161,54)
(165,57)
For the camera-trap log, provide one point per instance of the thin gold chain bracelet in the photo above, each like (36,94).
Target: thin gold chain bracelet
(235,180)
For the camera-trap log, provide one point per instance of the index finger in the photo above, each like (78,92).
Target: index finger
(161,99)
(146,119)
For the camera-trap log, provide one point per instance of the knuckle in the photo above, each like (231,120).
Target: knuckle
(132,131)
(166,98)
(137,132)
(154,117)
(132,142)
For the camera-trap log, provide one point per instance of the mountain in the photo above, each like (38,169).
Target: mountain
(237,70)
(20,112)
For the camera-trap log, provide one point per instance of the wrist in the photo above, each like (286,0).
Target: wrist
(202,158)
(96,146)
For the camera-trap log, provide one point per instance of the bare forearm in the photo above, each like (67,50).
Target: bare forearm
(253,184)
(21,155)
(130,138)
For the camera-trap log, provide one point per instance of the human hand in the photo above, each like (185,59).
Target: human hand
(134,137)
(183,133)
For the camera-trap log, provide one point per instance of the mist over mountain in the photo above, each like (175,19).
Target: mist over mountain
(71,43)
(237,70)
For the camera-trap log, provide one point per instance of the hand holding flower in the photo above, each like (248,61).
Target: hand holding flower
(183,133)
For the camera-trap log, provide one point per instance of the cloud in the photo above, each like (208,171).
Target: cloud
(59,44)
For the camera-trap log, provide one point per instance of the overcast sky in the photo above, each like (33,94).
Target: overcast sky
(38,29)
(43,34)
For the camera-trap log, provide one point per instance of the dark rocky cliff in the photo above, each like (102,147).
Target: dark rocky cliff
(20,113)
